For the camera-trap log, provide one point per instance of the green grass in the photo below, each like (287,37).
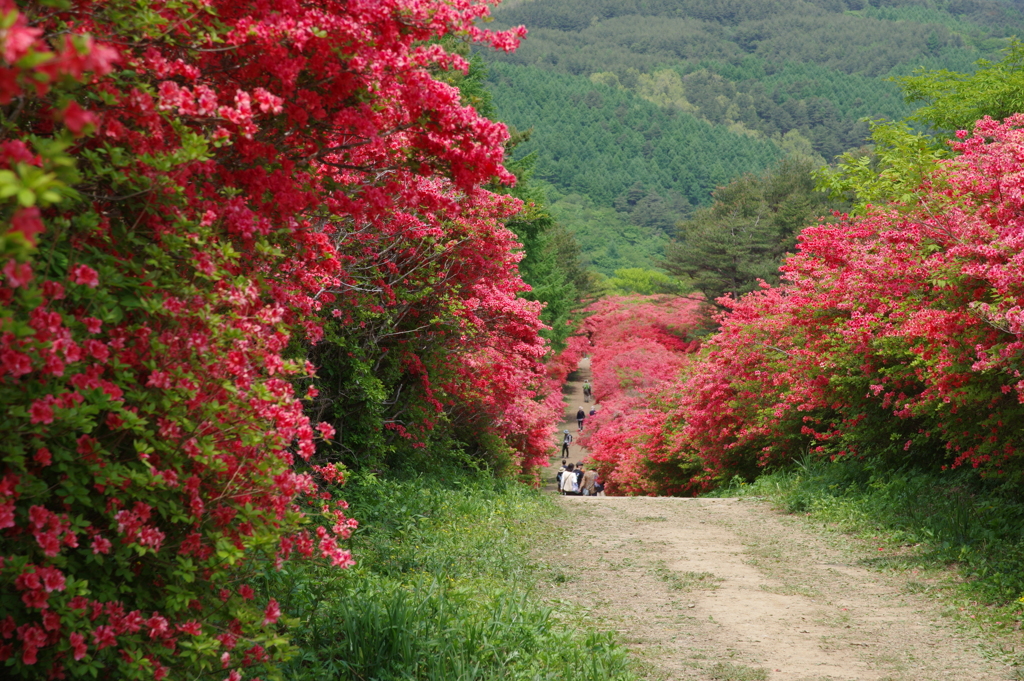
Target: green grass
(726,671)
(685,581)
(962,535)
(443,589)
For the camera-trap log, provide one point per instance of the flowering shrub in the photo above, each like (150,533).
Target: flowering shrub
(193,193)
(895,335)
(640,344)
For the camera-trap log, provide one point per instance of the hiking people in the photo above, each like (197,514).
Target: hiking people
(558,476)
(580,415)
(586,391)
(566,441)
(587,485)
(570,484)
(593,410)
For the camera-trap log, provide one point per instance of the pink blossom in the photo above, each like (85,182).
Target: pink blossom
(84,275)
(41,411)
(103,636)
(43,457)
(272,613)
(53,579)
(17,274)
(326,430)
(158,626)
(78,646)
(32,638)
(7,514)
(51,621)
(78,120)
(28,221)
(192,628)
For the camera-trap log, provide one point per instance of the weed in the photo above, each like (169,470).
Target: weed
(685,581)
(727,671)
(443,590)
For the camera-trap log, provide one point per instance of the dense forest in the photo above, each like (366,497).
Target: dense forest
(678,97)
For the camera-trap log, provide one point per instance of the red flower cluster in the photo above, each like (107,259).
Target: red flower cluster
(896,335)
(192,193)
(640,344)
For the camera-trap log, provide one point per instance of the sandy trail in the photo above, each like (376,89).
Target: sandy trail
(729,589)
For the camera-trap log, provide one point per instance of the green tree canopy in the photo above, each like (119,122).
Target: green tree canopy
(741,238)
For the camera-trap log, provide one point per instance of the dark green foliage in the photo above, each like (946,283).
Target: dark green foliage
(742,237)
(587,136)
(552,263)
(796,76)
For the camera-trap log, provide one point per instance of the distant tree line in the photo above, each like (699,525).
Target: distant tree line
(601,141)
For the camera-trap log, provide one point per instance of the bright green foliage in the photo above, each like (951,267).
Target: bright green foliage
(954,101)
(607,240)
(642,281)
(552,263)
(741,239)
(444,589)
(892,172)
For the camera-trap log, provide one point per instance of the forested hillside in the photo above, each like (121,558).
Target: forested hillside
(677,97)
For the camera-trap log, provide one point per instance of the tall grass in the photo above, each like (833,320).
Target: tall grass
(950,519)
(443,590)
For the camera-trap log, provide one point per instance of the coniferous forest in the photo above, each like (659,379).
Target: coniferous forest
(619,95)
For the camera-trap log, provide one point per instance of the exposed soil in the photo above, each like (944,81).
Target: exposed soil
(731,589)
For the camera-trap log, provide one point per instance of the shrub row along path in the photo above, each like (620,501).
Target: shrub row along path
(731,589)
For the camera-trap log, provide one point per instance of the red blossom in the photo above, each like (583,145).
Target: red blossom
(337,165)
(272,612)
(78,646)
(84,275)
(28,221)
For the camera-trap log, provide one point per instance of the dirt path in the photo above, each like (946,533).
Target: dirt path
(731,590)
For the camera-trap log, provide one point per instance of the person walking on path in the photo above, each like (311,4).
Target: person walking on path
(566,441)
(580,415)
(586,391)
(570,483)
(589,480)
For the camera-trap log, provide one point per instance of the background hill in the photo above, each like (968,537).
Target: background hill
(640,108)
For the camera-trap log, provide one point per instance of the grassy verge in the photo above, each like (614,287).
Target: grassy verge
(443,589)
(958,537)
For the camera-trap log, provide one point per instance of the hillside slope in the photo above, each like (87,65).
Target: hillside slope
(675,97)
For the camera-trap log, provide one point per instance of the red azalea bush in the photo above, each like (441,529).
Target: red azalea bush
(193,192)
(895,335)
(640,344)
